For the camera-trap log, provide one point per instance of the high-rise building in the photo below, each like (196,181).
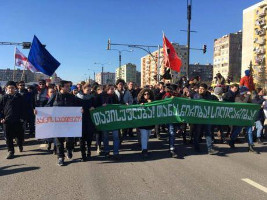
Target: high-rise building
(227,56)
(138,78)
(149,66)
(104,78)
(126,72)
(254,42)
(203,71)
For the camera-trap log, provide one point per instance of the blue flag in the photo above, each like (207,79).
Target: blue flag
(41,59)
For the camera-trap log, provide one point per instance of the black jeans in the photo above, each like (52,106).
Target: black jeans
(60,145)
(98,138)
(87,137)
(31,124)
(12,131)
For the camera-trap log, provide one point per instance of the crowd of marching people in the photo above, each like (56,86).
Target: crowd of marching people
(18,103)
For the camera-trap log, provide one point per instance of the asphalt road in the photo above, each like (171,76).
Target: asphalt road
(33,174)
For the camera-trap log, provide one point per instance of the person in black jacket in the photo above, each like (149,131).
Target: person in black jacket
(97,103)
(87,125)
(204,94)
(29,99)
(64,98)
(109,97)
(230,95)
(12,115)
(159,93)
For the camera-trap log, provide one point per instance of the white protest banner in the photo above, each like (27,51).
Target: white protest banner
(52,122)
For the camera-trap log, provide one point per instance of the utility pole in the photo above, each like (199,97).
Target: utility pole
(189,8)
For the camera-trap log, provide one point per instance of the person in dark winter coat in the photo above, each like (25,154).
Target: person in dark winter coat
(64,98)
(230,95)
(87,100)
(204,94)
(29,107)
(41,96)
(244,96)
(12,109)
(109,97)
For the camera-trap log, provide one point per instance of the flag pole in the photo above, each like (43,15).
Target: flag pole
(22,75)
(14,64)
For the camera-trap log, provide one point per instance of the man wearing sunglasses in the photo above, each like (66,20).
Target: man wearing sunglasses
(41,97)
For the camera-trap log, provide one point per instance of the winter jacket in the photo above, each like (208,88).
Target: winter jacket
(12,108)
(259,100)
(109,98)
(247,81)
(207,96)
(41,98)
(124,97)
(229,96)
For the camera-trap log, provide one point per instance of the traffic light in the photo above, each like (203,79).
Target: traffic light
(109,45)
(204,48)
(26,45)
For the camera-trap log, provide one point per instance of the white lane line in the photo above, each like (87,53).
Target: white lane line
(256,185)
(43,145)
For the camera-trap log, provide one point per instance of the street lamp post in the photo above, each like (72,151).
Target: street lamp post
(120,51)
(102,67)
(189,7)
(94,73)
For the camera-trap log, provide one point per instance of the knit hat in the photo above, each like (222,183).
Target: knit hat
(218,90)
(11,83)
(247,72)
(74,87)
(243,90)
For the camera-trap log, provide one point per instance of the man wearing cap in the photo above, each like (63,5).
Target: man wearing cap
(12,116)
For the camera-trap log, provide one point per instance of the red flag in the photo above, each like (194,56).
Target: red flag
(171,58)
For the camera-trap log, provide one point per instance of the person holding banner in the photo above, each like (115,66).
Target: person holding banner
(259,99)
(64,98)
(98,90)
(244,96)
(12,109)
(204,94)
(109,97)
(51,92)
(145,96)
(124,97)
(169,93)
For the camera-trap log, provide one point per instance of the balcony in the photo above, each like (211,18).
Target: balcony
(260,32)
(260,22)
(259,60)
(259,41)
(259,50)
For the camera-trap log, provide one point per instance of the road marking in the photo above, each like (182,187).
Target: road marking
(256,185)
(43,145)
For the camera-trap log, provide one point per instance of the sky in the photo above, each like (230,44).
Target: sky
(76,32)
